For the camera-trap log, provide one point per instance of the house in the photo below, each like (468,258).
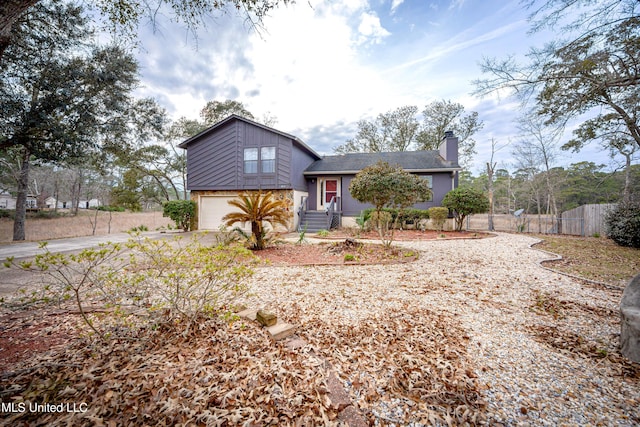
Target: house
(238,154)
(52,203)
(7,201)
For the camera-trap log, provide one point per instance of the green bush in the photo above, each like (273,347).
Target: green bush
(45,214)
(111,208)
(401,216)
(438,216)
(181,212)
(7,214)
(412,216)
(464,202)
(623,224)
(381,221)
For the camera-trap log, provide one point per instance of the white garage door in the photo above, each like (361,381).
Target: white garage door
(212,209)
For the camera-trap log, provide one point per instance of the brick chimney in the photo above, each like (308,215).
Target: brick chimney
(449,147)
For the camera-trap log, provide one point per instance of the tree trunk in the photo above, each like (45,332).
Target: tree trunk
(21,202)
(626,193)
(490,169)
(10,12)
(256,230)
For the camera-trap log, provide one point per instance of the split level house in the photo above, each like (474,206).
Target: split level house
(237,155)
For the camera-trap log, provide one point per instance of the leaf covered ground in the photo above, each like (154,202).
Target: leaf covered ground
(231,373)
(598,259)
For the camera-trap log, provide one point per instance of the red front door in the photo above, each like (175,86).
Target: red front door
(330,190)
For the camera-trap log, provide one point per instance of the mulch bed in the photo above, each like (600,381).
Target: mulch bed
(348,251)
(405,235)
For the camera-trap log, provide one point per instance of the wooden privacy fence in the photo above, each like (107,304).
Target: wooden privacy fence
(591,220)
(585,220)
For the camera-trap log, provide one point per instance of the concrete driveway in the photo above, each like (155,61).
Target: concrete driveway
(13,279)
(21,250)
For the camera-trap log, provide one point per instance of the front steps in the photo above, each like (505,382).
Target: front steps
(315,221)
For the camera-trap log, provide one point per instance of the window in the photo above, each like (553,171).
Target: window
(250,160)
(268,159)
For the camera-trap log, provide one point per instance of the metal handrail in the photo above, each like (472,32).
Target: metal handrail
(332,211)
(302,211)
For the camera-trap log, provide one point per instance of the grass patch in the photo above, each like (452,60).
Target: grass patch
(593,258)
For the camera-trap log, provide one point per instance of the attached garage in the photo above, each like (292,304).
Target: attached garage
(211,209)
(213,205)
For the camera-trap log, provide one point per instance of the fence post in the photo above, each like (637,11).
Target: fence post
(582,226)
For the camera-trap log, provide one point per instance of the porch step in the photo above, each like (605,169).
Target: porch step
(315,221)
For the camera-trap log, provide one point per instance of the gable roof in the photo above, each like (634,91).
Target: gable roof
(233,117)
(411,161)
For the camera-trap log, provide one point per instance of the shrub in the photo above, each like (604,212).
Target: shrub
(386,186)
(181,212)
(349,257)
(7,214)
(45,214)
(172,284)
(258,208)
(398,215)
(412,215)
(382,221)
(438,216)
(323,233)
(623,224)
(464,202)
(111,208)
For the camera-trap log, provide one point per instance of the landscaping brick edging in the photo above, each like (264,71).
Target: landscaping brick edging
(557,257)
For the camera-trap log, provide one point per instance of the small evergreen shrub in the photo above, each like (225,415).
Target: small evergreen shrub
(438,216)
(181,212)
(349,257)
(623,224)
(382,220)
(405,216)
(111,208)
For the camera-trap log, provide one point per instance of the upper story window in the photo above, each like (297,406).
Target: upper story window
(250,160)
(268,159)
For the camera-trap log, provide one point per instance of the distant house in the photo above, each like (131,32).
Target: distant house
(52,203)
(7,201)
(238,154)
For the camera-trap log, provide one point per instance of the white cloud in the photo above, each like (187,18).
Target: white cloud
(456,4)
(307,68)
(395,4)
(370,29)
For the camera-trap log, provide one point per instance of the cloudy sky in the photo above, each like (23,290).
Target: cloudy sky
(320,66)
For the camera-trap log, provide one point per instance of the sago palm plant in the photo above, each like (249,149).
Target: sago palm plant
(258,208)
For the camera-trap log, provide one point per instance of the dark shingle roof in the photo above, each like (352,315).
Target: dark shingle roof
(412,161)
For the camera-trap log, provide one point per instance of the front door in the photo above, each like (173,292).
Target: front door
(329,188)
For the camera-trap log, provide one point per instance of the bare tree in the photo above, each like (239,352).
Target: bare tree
(537,151)
(491,168)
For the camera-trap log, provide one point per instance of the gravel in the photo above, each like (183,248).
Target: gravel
(503,300)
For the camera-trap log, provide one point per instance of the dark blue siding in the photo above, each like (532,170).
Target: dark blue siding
(300,160)
(216,161)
